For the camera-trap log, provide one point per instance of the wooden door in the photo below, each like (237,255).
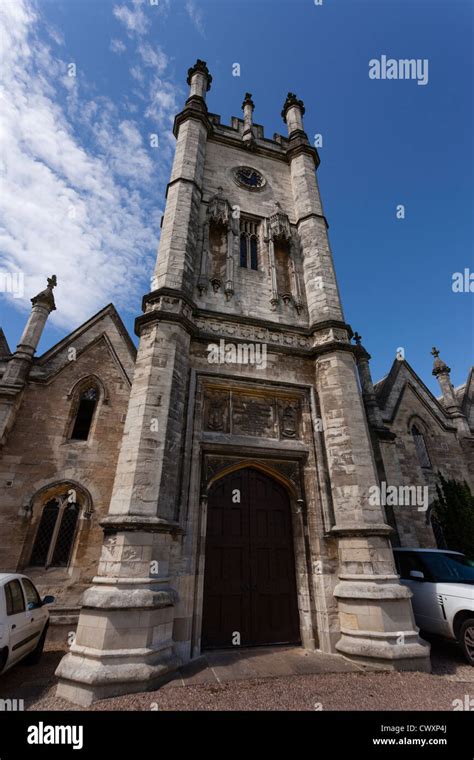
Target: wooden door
(249,581)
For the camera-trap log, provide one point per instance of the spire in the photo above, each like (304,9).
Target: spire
(292,113)
(45,297)
(19,363)
(362,356)
(439,366)
(248,107)
(449,400)
(199,79)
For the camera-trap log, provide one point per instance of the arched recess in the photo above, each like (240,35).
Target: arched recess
(256,465)
(250,587)
(80,384)
(56,511)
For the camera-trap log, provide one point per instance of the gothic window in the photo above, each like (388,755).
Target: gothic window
(55,534)
(243,250)
(253,253)
(84,414)
(421,449)
(248,244)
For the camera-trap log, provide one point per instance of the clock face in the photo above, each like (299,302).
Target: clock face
(249,178)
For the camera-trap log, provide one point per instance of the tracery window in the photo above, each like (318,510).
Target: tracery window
(55,535)
(248,244)
(421,448)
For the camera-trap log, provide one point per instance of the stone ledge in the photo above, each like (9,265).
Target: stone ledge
(126,599)
(132,523)
(363,590)
(352,531)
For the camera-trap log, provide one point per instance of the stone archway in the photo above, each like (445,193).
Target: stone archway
(250,595)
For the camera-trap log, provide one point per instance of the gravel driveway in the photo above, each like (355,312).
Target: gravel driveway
(451,680)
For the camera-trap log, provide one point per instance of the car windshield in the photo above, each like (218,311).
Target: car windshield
(449,568)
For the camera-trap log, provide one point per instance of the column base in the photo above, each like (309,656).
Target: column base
(123,642)
(377,624)
(384,650)
(86,675)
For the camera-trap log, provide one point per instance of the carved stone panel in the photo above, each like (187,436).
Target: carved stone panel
(289,414)
(254,415)
(257,414)
(216,412)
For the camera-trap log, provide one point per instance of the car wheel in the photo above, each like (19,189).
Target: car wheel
(466,637)
(3,658)
(35,656)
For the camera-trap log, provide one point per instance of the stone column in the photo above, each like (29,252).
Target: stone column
(376,619)
(124,638)
(442,373)
(294,279)
(18,367)
(273,277)
(229,262)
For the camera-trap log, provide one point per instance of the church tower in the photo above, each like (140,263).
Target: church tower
(240,513)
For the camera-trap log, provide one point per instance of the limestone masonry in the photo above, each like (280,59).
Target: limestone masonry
(174,499)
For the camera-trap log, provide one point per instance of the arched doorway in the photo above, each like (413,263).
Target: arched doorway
(249,579)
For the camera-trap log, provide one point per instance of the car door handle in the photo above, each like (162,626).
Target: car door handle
(32,620)
(13,626)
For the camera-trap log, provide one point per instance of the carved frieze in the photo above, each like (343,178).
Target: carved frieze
(253,333)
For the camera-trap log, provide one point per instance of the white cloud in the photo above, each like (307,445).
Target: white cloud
(153,57)
(134,19)
(195,14)
(82,209)
(117,46)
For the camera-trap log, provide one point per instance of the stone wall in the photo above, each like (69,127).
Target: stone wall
(38,455)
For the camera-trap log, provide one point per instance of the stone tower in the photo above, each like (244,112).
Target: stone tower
(240,511)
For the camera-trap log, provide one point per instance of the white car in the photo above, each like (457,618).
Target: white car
(442,584)
(24,620)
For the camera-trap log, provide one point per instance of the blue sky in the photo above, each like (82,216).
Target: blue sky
(83,190)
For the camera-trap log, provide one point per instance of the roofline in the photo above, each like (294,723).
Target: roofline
(387,385)
(112,311)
